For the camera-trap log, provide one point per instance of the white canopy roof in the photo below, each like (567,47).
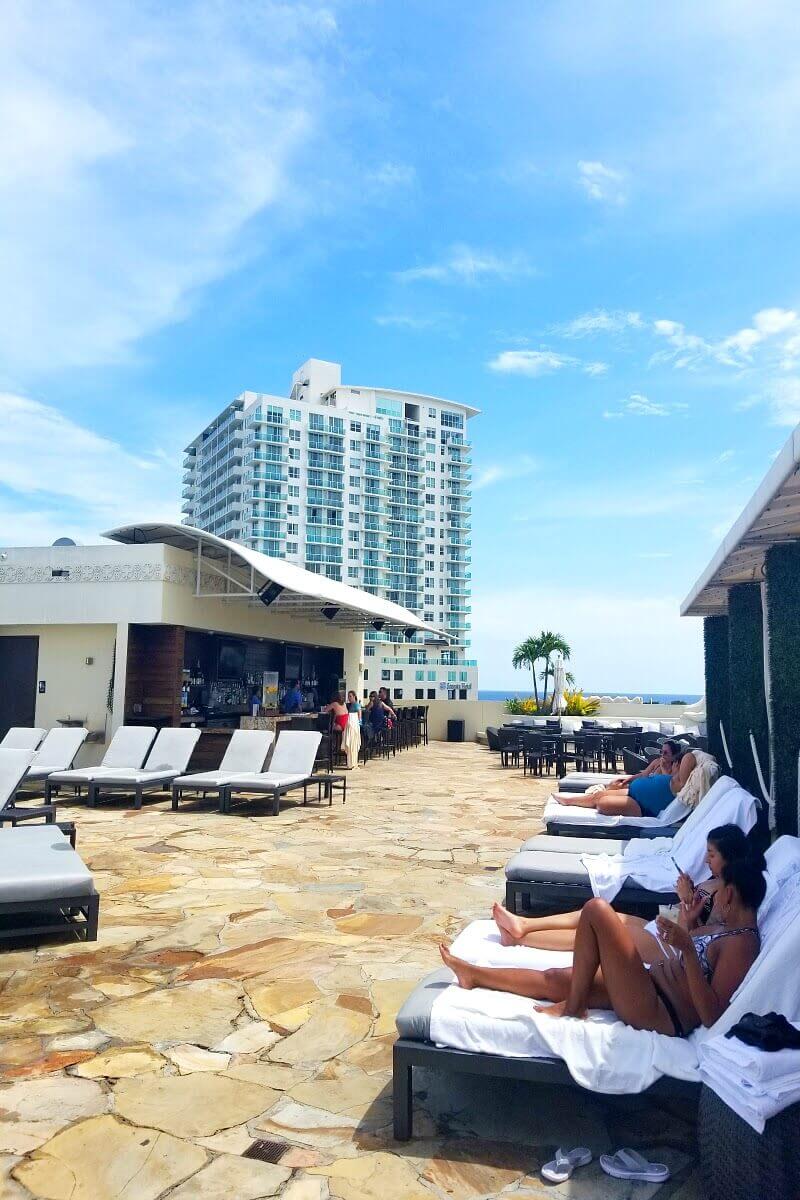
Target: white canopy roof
(772,516)
(244,572)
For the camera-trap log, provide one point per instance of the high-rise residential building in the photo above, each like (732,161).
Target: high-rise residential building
(370,486)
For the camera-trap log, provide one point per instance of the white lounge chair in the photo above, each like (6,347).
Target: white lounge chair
(168,758)
(22,737)
(291,766)
(45,887)
(126,750)
(57,752)
(245,754)
(13,765)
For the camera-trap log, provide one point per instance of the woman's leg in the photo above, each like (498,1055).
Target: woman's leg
(603,943)
(552,984)
(515,929)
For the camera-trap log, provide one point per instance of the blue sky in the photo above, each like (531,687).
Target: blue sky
(580,218)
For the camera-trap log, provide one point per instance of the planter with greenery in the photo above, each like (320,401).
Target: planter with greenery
(577,705)
(541,648)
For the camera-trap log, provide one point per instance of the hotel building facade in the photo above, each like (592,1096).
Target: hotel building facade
(369,486)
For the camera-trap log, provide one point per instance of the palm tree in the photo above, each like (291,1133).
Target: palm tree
(544,646)
(551,643)
(527,655)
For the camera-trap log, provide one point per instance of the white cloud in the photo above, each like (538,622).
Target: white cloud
(541,362)
(600,321)
(58,476)
(465,264)
(602,183)
(638,405)
(782,397)
(516,468)
(392,175)
(137,144)
(774,333)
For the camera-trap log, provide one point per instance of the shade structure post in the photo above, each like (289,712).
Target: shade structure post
(782,578)
(748,705)
(715,639)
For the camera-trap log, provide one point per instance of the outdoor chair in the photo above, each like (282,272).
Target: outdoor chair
(168,758)
(532,750)
(45,887)
(615,744)
(593,748)
(516,1044)
(632,763)
(13,765)
(509,747)
(291,766)
(127,749)
(544,878)
(22,737)
(57,752)
(246,751)
(492,738)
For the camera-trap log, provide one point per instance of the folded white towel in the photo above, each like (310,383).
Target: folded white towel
(762,1069)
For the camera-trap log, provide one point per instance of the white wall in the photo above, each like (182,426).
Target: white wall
(477,714)
(74,689)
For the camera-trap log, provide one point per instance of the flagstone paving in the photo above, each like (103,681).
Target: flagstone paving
(245,984)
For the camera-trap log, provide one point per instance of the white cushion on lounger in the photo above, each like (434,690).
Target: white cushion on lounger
(169,756)
(295,752)
(266,780)
(57,752)
(13,765)
(22,737)
(245,753)
(38,863)
(127,751)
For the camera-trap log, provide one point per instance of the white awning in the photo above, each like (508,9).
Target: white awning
(771,517)
(244,574)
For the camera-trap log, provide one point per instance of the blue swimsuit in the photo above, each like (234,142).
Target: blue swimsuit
(652,793)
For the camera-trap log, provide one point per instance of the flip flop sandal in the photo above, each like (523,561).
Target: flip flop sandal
(560,1168)
(629,1164)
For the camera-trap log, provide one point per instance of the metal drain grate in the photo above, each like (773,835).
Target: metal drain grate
(264,1151)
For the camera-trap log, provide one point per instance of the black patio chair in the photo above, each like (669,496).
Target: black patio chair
(509,747)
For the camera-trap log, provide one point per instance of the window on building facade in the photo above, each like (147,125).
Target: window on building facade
(291,547)
(295,414)
(462,693)
(398,674)
(355,427)
(354,535)
(386,674)
(398,693)
(431,693)
(369,651)
(352,572)
(419,693)
(316,421)
(294,435)
(294,473)
(431,676)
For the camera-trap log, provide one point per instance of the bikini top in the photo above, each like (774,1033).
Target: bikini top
(702,941)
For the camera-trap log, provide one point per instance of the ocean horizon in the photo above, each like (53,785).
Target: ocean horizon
(686,698)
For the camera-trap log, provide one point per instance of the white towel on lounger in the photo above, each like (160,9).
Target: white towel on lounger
(649,864)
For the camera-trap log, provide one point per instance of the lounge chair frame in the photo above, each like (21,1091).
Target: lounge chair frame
(98,787)
(610,832)
(74,914)
(275,791)
(530,897)
(408,1053)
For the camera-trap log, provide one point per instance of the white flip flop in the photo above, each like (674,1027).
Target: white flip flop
(629,1164)
(560,1168)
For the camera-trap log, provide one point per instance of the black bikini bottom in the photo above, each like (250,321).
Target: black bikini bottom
(670,1007)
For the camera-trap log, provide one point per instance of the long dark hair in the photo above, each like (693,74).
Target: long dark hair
(732,844)
(748,879)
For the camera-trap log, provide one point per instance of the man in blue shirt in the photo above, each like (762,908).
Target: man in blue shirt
(293,700)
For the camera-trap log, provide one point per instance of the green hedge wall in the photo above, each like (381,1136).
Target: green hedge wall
(783,624)
(748,706)
(715,638)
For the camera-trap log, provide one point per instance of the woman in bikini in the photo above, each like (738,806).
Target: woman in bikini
(690,985)
(725,844)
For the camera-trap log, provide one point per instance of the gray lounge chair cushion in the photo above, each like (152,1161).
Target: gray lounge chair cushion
(414,1018)
(38,863)
(531,866)
(572,845)
(22,737)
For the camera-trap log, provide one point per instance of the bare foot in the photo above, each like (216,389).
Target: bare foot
(462,970)
(559,1009)
(512,929)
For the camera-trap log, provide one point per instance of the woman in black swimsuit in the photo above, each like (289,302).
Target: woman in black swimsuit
(691,985)
(556,931)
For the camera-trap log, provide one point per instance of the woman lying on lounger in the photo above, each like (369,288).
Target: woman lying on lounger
(646,794)
(690,985)
(724,845)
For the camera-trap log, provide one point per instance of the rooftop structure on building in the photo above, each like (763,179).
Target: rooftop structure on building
(367,486)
